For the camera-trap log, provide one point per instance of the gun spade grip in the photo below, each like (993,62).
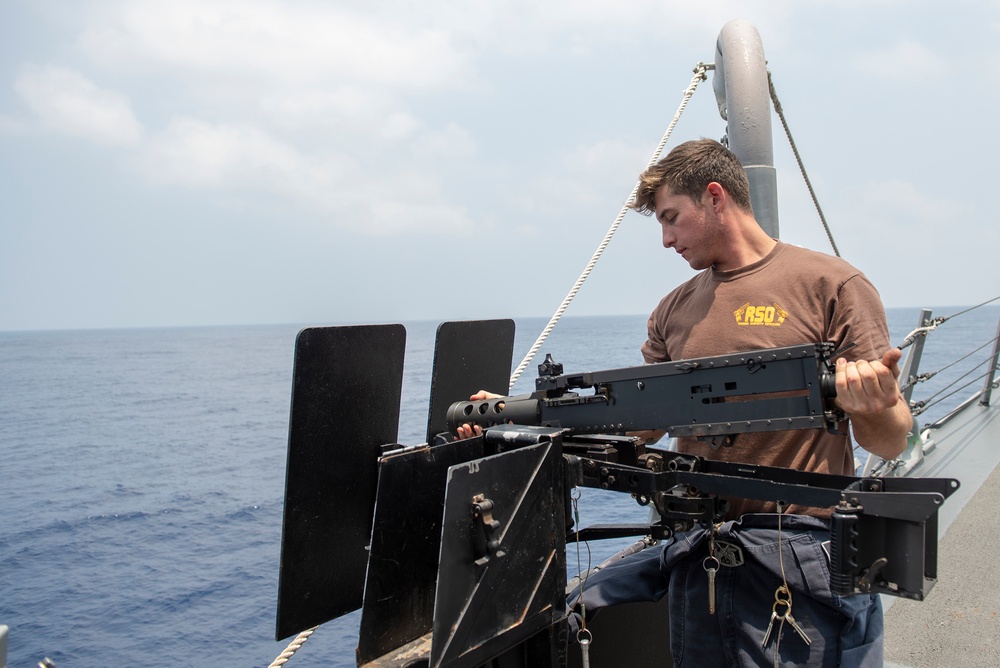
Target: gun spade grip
(843,551)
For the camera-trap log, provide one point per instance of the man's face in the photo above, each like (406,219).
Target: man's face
(690,228)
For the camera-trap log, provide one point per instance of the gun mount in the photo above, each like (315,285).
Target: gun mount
(455,550)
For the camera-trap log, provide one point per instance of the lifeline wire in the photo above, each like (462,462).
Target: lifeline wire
(921,406)
(918,407)
(922,377)
(934,322)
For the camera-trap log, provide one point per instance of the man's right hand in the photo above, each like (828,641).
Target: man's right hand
(469,430)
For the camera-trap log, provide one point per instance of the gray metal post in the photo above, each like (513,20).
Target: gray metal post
(984,399)
(743,95)
(912,361)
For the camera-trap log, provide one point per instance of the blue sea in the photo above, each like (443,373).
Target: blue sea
(142,477)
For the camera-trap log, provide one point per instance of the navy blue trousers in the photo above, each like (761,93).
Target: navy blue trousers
(843,630)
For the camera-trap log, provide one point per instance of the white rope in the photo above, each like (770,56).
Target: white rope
(292,648)
(699,76)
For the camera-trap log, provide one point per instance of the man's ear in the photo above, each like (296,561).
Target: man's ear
(716,195)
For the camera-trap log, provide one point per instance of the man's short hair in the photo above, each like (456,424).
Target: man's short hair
(688,169)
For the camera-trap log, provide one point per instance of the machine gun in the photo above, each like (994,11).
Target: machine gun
(455,549)
(711,398)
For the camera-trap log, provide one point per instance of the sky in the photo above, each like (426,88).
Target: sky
(222,162)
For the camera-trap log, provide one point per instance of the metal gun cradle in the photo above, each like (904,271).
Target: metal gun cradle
(455,550)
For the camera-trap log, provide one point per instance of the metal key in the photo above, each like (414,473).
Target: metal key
(787,600)
(784,616)
(584,637)
(770,626)
(795,625)
(711,570)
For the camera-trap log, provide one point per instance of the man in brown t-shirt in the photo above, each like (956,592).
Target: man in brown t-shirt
(755,292)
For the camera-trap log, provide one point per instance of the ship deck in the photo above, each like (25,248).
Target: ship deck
(959,622)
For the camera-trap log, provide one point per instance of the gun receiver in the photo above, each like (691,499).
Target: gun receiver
(764,390)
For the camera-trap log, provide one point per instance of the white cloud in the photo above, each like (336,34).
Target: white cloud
(908,205)
(198,154)
(394,216)
(398,125)
(596,178)
(451,142)
(295,42)
(307,108)
(608,155)
(10,125)
(348,115)
(194,152)
(382,43)
(906,61)
(242,157)
(69,103)
(522,27)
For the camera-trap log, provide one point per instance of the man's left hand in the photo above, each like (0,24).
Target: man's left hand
(869,393)
(865,387)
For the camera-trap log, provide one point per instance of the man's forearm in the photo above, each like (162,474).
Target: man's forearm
(884,434)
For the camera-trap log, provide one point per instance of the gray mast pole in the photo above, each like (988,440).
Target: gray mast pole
(743,95)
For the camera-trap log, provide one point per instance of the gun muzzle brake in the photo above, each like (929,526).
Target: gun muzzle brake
(491,412)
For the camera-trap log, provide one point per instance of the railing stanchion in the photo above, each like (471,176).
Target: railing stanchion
(984,399)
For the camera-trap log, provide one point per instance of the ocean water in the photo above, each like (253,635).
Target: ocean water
(142,476)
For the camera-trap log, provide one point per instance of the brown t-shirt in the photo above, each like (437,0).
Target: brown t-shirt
(790,297)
